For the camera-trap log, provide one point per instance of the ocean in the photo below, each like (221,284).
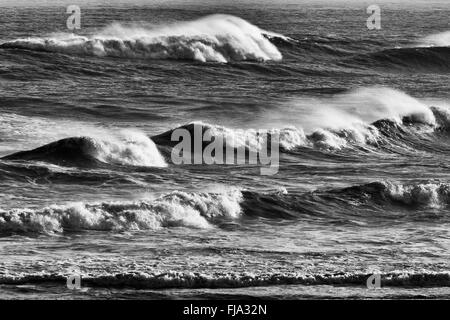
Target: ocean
(89,190)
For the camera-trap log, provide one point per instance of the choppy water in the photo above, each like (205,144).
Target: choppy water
(87,182)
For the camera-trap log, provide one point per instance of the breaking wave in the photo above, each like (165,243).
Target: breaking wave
(205,210)
(366,117)
(425,195)
(214,38)
(175,209)
(124,148)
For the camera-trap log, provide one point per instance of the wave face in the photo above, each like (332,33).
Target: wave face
(215,38)
(124,148)
(196,210)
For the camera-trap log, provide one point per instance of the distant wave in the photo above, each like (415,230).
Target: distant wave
(172,279)
(429,54)
(215,38)
(196,210)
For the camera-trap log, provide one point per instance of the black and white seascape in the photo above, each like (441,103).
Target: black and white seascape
(224,149)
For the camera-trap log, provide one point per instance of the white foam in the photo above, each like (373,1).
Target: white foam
(324,139)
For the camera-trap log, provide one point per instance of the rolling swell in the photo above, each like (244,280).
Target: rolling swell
(433,59)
